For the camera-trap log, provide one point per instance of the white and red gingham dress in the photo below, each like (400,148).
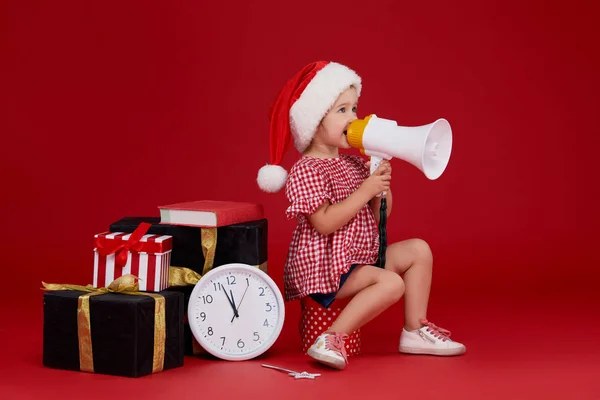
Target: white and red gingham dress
(315,261)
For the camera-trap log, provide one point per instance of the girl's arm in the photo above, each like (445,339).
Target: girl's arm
(329,218)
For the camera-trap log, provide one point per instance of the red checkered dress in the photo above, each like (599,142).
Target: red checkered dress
(315,261)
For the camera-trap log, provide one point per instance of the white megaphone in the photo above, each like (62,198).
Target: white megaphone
(427,147)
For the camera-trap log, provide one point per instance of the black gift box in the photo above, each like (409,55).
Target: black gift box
(239,243)
(190,348)
(122,332)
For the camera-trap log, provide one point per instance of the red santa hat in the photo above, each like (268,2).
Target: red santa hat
(298,110)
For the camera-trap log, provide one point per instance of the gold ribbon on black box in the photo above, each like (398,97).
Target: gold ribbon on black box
(208,237)
(126,284)
(180,276)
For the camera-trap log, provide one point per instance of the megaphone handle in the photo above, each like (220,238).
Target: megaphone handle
(375,162)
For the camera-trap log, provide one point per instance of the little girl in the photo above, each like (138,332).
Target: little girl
(334,248)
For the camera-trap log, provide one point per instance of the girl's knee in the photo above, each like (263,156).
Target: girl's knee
(421,249)
(394,285)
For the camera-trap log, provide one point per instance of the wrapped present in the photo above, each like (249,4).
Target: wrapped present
(146,256)
(116,330)
(197,250)
(191,347)
(315,319)
(201,249)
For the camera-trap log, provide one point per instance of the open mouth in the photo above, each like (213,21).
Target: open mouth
(345,132)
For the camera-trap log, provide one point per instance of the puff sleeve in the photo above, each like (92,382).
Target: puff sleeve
(307,188)
(361,167)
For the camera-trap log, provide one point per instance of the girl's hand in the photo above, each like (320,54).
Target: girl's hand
(384,162)
(379,181)
(388,167)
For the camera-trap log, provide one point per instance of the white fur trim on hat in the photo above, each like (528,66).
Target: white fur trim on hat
(271,178)
(316,100)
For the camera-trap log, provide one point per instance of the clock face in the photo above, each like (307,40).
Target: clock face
(236,312)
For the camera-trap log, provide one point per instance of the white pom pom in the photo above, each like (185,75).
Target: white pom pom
(271,178)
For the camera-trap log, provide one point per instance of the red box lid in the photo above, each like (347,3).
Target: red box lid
(148,243)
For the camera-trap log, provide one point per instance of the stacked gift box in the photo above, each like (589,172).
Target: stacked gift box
(238,243)
(132,320)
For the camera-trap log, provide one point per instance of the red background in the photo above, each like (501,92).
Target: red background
(113,108)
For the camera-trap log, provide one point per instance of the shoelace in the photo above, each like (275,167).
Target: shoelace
(335,342)
(438,332)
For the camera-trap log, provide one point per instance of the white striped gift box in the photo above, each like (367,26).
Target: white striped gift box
(149,260)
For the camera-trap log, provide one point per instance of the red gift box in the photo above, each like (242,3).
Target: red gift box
(146,256)
(314,320)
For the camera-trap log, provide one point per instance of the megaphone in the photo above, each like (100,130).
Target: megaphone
(427,147)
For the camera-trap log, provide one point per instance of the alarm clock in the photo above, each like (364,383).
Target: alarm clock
(236,312)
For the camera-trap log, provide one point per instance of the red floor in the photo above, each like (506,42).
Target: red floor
(541,349)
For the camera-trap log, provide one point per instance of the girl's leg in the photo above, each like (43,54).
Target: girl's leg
(412,258)
(374,289)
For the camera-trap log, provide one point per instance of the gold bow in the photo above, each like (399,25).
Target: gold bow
(126,284)
(180,276)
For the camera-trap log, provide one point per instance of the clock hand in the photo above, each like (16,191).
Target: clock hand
(235,313)
(238,307)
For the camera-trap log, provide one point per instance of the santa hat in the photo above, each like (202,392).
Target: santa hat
(298,110)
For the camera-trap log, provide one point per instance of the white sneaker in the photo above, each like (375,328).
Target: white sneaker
(329,349)
(429,339)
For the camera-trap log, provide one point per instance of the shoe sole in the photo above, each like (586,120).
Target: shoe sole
(433,352)
(327,360)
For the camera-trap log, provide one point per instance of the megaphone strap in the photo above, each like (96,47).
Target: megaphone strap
(382,233)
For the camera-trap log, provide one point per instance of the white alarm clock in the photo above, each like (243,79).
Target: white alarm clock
(236,312)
